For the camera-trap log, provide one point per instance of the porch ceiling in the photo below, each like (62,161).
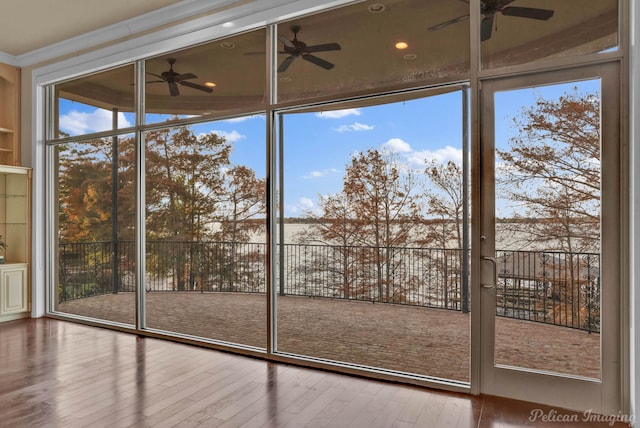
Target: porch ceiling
(367,53)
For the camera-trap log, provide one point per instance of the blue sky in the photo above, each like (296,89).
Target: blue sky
(319,145)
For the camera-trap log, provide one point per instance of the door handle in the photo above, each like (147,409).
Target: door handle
(493,262)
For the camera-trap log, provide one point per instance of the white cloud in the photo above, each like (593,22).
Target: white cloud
(232,137)
(303,205)
(337,114)
(306,203)
(441,155)
(76,123)
(319,174)
(396,145)
(244,118)
(354,127)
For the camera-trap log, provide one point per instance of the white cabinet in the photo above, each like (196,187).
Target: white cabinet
(15,220)
(14,292)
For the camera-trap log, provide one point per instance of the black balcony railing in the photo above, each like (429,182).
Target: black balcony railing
(549,287)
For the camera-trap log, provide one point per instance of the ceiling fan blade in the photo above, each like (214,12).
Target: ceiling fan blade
(318,61)
(447,23)
(196,86)
(486,27)
(323,48)
(158,76)
(528,12)
(285,64)
(185,76)
(286,42)
(173,89)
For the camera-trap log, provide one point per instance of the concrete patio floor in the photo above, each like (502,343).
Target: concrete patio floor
(425,341)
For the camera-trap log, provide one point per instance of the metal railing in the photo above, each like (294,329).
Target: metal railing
(549,287)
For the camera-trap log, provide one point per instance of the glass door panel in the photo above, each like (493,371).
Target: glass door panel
(205,230)
(550,193)
(373,247)
(548,203)
(95,229)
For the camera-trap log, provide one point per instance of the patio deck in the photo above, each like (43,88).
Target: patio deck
(431,342)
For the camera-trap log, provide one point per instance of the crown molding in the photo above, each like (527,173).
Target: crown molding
(5,58)
(163,16)
(244,17)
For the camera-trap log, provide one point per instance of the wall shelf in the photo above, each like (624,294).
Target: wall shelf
(9,115)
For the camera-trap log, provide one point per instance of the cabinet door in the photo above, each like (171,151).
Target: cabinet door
(14,291)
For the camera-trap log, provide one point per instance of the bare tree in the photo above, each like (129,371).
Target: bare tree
(551,173)
(444,195)
(444,233)
(241,212)
(373,216)
(338,229)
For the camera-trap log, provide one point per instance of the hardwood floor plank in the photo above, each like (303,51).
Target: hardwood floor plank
(59,374)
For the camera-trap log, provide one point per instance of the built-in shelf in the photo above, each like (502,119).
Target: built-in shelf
(9,115)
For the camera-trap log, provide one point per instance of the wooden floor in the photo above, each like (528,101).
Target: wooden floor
(62,374)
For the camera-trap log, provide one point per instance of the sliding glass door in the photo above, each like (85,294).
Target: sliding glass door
(550,288)
(373,249)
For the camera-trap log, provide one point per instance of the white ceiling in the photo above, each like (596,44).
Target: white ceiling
(31,25)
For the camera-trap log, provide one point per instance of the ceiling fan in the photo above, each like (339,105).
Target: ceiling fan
(297,49)
(174,79)
(489,9)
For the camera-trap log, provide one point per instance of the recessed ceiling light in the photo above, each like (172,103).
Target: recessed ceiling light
(210,84)
(410,56)
(227,45)
(376,8)
(401,45)
(227,25)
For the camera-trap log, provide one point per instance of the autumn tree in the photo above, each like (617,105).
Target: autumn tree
(444,201)
(92,176)
(85,192)
(241,213)
(193,195)
(445,205)
(184,175)
(337,228)
(375,212)
(551,174)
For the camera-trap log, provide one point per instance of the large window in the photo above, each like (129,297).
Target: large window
(303,189)
(95,228)
(205,211)
(374,249)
